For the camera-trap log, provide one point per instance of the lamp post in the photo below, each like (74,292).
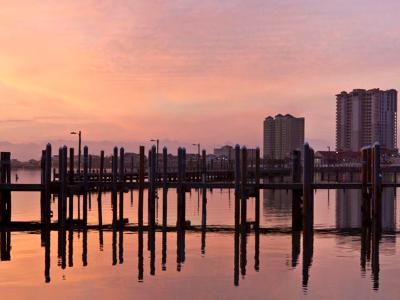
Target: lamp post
(79,148)
(157,145)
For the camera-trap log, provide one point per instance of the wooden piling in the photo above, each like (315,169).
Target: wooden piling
(244,192)
(42,195)
(47,191)
(296,194)
(141,186)
(122,181)
(308,192)
(377,185)
(114,186)
(257,189)
(85,183)
(100,191)
(179,190)
(165,187)
(366,206)
(5,196)
(71,181)
(237,186)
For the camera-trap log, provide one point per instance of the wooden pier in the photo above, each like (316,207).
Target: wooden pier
(247,179)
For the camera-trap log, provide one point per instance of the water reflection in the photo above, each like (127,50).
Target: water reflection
(348,209)
(369,242)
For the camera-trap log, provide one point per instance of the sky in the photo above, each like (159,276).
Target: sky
(186,72)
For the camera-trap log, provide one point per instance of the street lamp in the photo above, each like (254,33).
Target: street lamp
(158,142)
(198,157)
(79,148)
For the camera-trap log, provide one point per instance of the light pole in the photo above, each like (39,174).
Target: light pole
(158,143)
(79,148)
(198,156)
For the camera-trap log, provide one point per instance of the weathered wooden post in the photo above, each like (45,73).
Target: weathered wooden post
(184,187)
(297,217)
(257,189)
(100,190)
(366,207)
(114,186)
(47,190)
(141,187)
(244,192)
(63,185)
(237,187)
(122,181)
(308,193)
(377,185)
(71,181)
(5,196)
(85,183)
(165,188)
(42,196)
(179,190)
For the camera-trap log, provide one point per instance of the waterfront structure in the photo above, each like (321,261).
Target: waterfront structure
(228,152)
(282,135)
(364,117)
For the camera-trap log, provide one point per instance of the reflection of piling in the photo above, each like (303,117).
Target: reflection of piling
(375,240)
(5,245)
(47,255)
(295,247)
(70,247)
(236,258)
(140,248)
(296,194)
(308,251)
(365,248)
(121,245)
(243,252)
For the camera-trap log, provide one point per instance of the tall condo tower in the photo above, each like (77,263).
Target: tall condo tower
(364,117)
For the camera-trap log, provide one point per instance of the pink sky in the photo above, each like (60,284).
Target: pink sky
(187,71)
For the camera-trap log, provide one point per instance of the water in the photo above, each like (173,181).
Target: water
(331,263)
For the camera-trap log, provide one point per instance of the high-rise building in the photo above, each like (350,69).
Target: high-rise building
(364,117)
(282,135)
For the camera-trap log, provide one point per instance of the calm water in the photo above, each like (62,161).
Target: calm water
(332,263)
